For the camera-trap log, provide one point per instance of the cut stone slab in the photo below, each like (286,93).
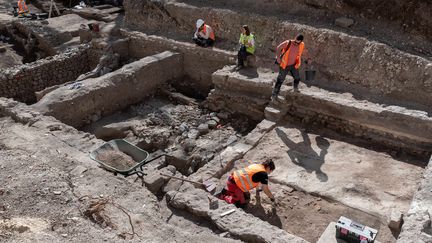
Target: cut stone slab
(344,22)
(238,223)
(272,114)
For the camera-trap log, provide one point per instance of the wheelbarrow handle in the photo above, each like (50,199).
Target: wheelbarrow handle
(182,179)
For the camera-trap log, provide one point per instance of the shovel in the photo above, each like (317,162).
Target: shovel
(207,185)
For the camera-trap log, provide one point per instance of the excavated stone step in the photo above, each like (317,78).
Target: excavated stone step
(272,114)
(390,125)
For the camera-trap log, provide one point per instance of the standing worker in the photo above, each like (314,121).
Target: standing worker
(247,46)
(22,8)
(288,57)
(204,35)
(240,182)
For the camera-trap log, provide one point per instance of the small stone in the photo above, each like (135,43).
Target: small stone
(203,128)
(295,197)
(57,192)
(395,220)
(216,119)
(212,123)
(344,22)
(183,127)
(78,170)
(64,235)
(193,134)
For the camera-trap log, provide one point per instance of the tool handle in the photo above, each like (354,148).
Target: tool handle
(182,179)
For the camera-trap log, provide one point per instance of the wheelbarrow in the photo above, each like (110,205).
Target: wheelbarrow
(140,158)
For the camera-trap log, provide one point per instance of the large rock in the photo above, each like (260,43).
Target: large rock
(344,22)
(239,224)
(395,220)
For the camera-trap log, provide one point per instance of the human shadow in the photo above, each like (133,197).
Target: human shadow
(302,153)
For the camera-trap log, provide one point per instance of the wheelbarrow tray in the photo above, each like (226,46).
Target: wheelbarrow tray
(138,155)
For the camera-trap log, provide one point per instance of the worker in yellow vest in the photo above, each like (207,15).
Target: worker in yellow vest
(240,182)
(247,46)
(204,35)
(22,8)
(288,57)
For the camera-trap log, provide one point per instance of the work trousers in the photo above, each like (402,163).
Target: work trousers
(234,195)
(282,75)
(203,42)
(242,56)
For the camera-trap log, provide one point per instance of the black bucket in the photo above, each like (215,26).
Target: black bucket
(310,75)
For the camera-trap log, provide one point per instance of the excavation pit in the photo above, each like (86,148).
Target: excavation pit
(355,142)
(189,135)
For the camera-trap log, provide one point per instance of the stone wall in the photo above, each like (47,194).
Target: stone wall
(246,92)
(395,127)
(198,63)
(112,92)
(350,62)
(417,223)
(21,82)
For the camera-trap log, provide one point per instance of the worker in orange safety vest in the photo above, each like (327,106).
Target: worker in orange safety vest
(22,8)
(204,35)
(240,182)
(288,57)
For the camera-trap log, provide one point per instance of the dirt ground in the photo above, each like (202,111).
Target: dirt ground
(307,216)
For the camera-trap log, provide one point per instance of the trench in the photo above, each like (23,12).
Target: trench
(175,120)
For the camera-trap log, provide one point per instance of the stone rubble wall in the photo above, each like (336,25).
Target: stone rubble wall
(198,63)
(112,92)
(244,92)
(21,82)
(351,62)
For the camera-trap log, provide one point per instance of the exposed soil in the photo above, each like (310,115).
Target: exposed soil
(116,158)
(307,216)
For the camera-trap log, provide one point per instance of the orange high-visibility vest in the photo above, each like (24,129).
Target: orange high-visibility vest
(22,7)
(243,177)
(212,35)
(284,61)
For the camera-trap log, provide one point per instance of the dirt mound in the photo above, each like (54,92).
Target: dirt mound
(116,158)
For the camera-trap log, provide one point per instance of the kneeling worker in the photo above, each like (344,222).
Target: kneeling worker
(23,10)
(204,35)
(240,182)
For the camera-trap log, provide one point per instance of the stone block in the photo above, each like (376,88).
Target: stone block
(179,160)
(154,181)
(344,22)
(395,220)
(203,128)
